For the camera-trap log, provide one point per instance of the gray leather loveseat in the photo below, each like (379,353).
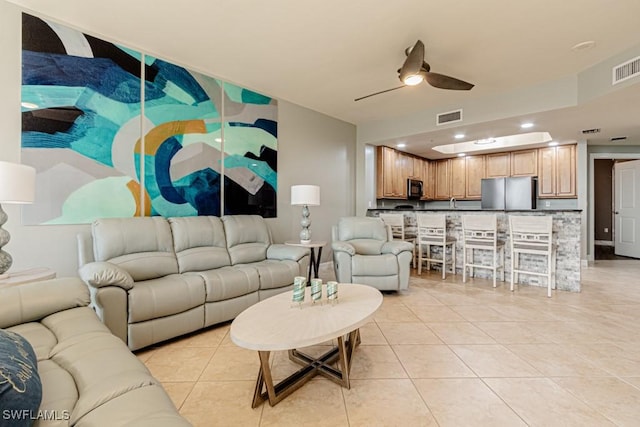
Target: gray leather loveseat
(88,377)
(153,278)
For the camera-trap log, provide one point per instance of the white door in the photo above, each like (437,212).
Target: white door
(627,208)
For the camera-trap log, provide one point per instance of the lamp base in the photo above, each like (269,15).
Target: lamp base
(5,258)
(305,233)
(305,242)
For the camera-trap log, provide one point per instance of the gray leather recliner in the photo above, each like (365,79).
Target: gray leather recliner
(364,252)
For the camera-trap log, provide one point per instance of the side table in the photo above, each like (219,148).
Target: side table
(25,276)
(314,263)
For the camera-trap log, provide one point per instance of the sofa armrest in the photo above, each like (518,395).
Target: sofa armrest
(101,273)
(340,246)
(280,251)
(396,246)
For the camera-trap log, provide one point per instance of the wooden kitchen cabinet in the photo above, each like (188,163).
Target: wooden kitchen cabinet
(386,180)
(557,172)
(524,163)
(458,177)
(497,165)
(442,187)
(428,180)
(403,164)
(475,172)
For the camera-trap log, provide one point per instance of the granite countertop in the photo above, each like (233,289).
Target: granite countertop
(475,210)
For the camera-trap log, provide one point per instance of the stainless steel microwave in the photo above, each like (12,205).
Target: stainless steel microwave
(414,189)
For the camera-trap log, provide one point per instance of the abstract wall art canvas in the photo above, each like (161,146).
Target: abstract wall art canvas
(113,132)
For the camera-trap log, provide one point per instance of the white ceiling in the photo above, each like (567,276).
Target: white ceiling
(323,54)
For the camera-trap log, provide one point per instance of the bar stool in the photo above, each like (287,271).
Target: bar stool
(533,235)
(481,232)
(396,222)
(432,231)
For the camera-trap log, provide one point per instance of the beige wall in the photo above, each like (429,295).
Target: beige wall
(312,149)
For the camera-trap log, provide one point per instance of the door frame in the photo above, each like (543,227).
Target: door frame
(591,216)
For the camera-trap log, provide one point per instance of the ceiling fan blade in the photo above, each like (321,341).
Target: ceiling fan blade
(413,64)
(378,93)
(445,82)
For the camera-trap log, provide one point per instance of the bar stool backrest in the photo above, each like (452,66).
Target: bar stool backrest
(480,228)
(431,228)
(534,232)
(396,222)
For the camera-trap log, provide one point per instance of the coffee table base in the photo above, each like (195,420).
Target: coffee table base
(312,366)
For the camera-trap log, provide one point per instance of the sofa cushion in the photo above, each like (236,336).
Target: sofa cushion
(276,274)
(142,246)
(247,238)
(199,243)
(20,386)
(40,337)
(229,282)
(151,299)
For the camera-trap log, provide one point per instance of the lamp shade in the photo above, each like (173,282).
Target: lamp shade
(17,183)
(305,195)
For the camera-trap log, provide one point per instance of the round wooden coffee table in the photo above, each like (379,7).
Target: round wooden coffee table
(276,324)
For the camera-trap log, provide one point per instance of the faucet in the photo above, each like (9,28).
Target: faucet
(452,203)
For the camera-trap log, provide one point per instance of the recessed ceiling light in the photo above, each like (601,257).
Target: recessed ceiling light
(401,145)
(218,140)
(30,105)
(584,45)
(526,125)
(459,135)
(553,144)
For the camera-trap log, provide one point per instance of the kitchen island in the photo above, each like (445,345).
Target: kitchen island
(566,237)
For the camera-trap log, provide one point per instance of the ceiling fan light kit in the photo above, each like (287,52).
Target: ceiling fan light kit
(415,70)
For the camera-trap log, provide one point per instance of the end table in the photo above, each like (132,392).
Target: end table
(314,263)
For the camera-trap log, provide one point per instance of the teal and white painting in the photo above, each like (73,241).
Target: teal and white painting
(116,133)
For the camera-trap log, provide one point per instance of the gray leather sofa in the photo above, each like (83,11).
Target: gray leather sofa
(364,252)
(153,278)
(89,377)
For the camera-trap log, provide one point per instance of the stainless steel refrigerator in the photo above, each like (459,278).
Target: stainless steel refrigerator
(492,193)
(521,192)
(514,193)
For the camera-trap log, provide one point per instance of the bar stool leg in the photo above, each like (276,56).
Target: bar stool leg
(495,273)
(444,260)
(513,255)
(419,259)
(464,263)
(453,251)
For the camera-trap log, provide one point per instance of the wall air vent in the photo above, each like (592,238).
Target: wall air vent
(626,70)
(590,131)
(449,117)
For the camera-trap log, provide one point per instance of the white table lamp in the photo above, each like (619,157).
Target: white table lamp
(17,185)
(305,196)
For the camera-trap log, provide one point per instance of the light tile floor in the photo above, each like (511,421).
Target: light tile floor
(443,354)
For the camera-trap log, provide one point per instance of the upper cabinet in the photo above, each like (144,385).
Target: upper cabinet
(475,171)
(497,165)
(460,177)
(442,188)
(557,172)
(524,163)
(386,173)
